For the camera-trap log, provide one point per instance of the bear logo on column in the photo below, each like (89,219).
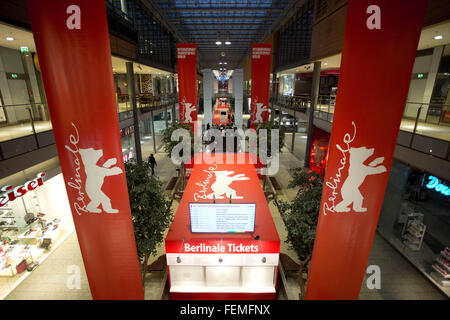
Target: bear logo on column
(222,185)
(188,108)
(95,176)
(260,108)
(357,173)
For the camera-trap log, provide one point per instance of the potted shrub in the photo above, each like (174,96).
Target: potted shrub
(150,211)
(300,218)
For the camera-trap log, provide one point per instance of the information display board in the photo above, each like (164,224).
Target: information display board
(222,217)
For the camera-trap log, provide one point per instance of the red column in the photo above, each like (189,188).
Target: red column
(380,44)
(74,53)
(187,81)
(261,59)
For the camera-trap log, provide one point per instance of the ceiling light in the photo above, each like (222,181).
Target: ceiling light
(220,62)
(325,63)
(225,63)
(227,42)
(218,42)
(9,38)
(439,37)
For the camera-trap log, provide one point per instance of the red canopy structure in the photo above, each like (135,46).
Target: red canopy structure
(223,265)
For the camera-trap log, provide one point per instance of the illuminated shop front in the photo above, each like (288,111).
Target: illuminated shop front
(35,218)
(415,219)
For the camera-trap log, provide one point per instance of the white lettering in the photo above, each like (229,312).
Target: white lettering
(373,21)
(74,20)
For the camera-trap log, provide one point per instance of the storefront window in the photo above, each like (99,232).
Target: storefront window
(415,219)
(288,85)
(35,218)
(128,143)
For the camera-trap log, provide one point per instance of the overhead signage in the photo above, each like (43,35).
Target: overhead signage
(187,82)
(261,67)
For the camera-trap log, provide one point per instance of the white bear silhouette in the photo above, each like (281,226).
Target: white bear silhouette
(222,185)
(357,173)
(95,176)
(260,108)
(188,108)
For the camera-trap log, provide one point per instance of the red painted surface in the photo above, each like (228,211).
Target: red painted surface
(319,151)
(197,189)
(369,109)
(261,66)
(187,81)
(78,80)
(250,190)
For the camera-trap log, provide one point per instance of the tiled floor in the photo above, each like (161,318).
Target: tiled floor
(24,129)
(399,279)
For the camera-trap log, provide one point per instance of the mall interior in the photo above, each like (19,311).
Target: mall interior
(42,249)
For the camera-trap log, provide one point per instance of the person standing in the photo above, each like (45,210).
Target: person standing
(152,163)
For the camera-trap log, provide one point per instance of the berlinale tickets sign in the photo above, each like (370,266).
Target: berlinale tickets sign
(380,35)
(72,42)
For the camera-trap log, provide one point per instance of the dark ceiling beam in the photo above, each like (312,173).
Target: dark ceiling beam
(187,24)
(202,9)
(225,46)
(284,16)
(162,17)
(173,18)
(213,33)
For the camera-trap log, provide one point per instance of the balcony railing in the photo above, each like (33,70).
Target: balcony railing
(424,127)
(27,127)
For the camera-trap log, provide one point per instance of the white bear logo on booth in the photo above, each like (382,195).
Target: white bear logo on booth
(222,185)
(95,176)
(357,173)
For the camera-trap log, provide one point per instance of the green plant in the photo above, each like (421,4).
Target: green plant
(269,126)
(167,137)
(150,211)
(300,217)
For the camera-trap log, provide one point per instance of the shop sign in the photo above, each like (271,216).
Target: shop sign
(434,184)
(11,193)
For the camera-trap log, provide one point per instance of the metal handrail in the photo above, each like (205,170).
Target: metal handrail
(28,117)
(288,103)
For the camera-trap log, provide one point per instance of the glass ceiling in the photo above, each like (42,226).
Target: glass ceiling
(206,21)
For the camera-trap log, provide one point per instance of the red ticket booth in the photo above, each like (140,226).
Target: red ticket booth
(217,249)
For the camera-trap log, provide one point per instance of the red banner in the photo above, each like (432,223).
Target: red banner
(74,54)
(187,81)
(261,61)
(380,36)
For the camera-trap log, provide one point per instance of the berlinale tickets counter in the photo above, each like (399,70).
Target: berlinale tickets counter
(217,249)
